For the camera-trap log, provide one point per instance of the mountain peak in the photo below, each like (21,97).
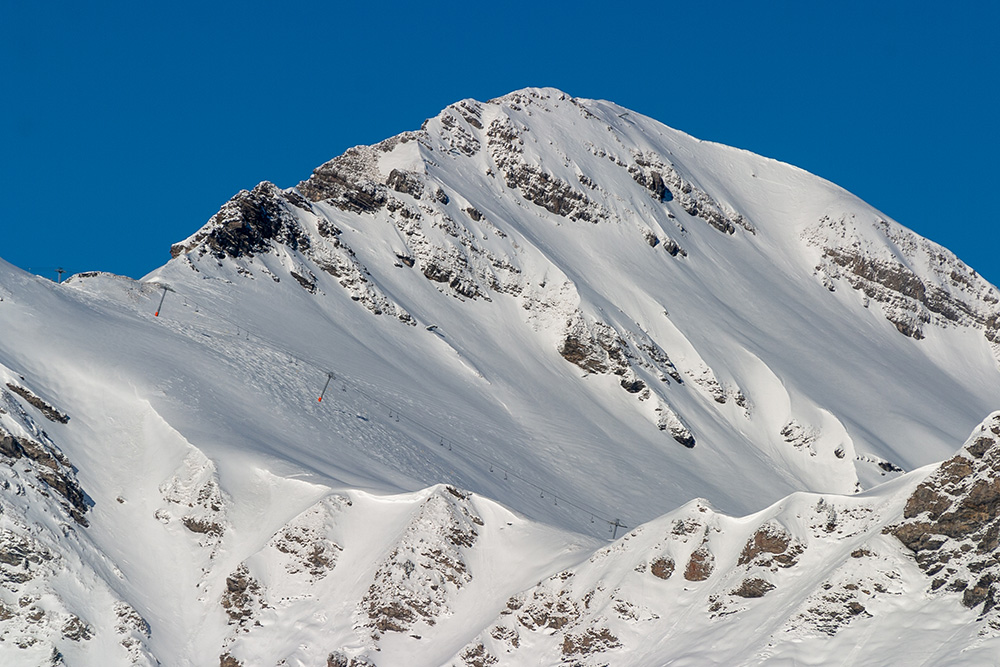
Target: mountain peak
(448,400)
(489,202)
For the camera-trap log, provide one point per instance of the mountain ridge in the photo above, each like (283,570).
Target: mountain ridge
(548,304)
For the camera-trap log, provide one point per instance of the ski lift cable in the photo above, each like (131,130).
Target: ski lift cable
(488,461)
(399,415)
(318,365)
(582,507)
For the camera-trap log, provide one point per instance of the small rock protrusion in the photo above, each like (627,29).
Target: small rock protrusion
(662,567)
(754,587)
(701,565)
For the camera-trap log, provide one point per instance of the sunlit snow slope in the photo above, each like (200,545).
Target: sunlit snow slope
(584,317)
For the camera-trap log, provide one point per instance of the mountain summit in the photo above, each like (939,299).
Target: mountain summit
(533,325)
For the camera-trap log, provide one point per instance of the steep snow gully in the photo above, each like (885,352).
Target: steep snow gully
(559,347)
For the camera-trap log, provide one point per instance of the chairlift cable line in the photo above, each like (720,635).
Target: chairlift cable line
(613,524)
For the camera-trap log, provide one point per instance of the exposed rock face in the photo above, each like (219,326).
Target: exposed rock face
(536,185)
(666,184)
(597,347)
(478,656)
(339,659)
(241,599)
(269,220)
(771,546)
(589,642)
(554,608)
(415,582)
(20,552)
(27,444)
(952,521)
(668,420)
(248,224)
(351,181)
(227,660)
(753,587)
(701,564)
(406,182)
(958,297)
(662,567)
(461,137)
(193,493)
(50,467)
(133,629)
(49,412)
(304,546)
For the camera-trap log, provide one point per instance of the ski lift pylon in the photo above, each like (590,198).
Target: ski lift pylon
(329,376)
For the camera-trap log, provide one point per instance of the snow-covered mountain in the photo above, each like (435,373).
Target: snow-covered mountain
(536,325)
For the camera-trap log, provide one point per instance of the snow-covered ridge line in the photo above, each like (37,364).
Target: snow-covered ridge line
(552,316)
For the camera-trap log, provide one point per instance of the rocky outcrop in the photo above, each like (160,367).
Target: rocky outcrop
(241,599)
(193,498)
(799,436)
(952,521)
(351,181)
(662,567)
(49,467)
(594,348)
(134,632)
(249,224)
(668,421)
(49,412)
(770,547)
(555,609)
(461,138)
(414,583)
(915,281)
(304,546)
(700,565)
(589,642)
(753,587)
(340,659)
(597,347)
(32,454)
(665,183)
(504,141)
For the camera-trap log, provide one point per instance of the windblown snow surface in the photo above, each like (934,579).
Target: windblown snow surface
(593,392)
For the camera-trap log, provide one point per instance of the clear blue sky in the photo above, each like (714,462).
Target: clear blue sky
(125,126)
